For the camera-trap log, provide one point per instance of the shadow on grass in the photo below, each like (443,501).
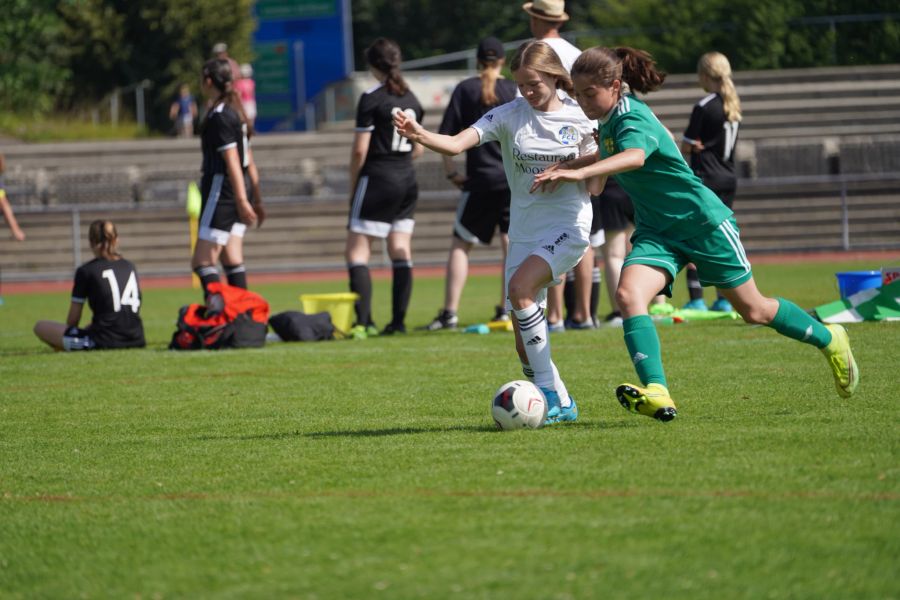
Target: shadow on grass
(364,433)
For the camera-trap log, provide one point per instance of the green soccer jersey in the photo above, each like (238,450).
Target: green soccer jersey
(667,196)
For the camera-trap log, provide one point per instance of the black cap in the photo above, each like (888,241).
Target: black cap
(490,49)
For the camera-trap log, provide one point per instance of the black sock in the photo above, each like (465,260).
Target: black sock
(207,274)
(694,287)
(236,275)
(401,290)
(595,292)
(361,283)
(569,294)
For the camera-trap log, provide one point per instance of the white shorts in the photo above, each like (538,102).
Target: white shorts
(217,236)
(562,250)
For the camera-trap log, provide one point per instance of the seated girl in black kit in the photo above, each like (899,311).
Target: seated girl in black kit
(109,284)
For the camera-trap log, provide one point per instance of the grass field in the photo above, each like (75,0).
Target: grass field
(371,468)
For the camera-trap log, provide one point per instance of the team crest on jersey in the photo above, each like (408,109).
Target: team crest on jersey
(568,135)
(609,145)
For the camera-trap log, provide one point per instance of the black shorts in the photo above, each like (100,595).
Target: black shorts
(218,214)
(384,204)
(616,209)
(479,213)
(726,196)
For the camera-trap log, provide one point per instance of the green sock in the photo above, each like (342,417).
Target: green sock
(793,322)
(643,348)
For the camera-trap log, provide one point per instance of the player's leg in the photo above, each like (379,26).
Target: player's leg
(695,290)
(649,268)
(584,271)
(204,260)
(614,251)
(357,251)
(555,303)
(233,257)
(51,333)
(791,321)
(399,245)
(500,313)
(722,261)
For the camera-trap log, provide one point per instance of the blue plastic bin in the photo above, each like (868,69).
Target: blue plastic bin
(851,282)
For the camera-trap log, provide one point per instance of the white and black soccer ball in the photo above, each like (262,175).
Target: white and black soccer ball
(519,405)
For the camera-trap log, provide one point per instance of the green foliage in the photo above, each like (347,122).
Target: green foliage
(370,469)
(32,58)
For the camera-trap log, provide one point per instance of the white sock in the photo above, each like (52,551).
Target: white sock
(528,372)
(533,330)
(560,387)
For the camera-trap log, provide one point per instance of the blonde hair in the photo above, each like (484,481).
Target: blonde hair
(489,73)
(543,59)
(103,236)
(715,67)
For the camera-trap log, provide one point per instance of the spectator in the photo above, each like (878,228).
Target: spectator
(220,51)
(484,204)
(183,111)
(547,17)
(246,89)
(5,206)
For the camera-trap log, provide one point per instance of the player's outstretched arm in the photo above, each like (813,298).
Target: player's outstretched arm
(627,160)
(444,144)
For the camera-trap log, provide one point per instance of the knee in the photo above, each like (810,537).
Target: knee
(625,297)
(520,295)
(755,315)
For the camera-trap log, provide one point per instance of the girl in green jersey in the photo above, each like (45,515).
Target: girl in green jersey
(678,221)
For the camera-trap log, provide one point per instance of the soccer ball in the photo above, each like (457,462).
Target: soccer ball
(519,404)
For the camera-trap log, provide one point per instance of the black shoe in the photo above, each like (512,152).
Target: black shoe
(393,328)
(500,315)
(444,320)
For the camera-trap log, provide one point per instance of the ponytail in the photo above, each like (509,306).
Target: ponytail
(218,71)
(639,70)
(490,73)
(102,235)
(636,69)
(384,56)
(715,67)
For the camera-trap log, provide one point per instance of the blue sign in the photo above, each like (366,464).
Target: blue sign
(301,46)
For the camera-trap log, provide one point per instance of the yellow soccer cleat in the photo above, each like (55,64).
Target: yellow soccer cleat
(652,401)
(840,359)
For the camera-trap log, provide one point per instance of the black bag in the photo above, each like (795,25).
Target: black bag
(295,326)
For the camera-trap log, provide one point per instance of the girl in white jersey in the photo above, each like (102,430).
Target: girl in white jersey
(548,233)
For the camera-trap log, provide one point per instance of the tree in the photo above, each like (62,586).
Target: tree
(33,72)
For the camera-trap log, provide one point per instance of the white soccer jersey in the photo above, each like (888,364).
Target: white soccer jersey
(531,141)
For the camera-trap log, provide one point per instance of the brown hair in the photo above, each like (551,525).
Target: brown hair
(715,67)
(218,70)
(102,234)
(384,55)
(542,58)
(630,65)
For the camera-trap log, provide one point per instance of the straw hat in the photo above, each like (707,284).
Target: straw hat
(547,10)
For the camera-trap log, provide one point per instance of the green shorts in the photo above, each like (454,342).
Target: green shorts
(718,255)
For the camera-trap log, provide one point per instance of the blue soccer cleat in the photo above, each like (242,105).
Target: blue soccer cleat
(697,304)
(557,413)
(721,305)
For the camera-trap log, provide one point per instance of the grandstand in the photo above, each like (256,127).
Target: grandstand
(819,158)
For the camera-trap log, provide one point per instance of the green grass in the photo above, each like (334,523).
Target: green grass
(47,128)
(371,469)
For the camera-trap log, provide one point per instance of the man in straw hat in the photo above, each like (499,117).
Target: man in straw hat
(547,16)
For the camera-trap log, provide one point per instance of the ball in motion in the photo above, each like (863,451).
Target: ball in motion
(518,405)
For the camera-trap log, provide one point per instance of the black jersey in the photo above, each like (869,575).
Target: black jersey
(111,289)
(484,164)
(222,129)
(374,113)
(708,125)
